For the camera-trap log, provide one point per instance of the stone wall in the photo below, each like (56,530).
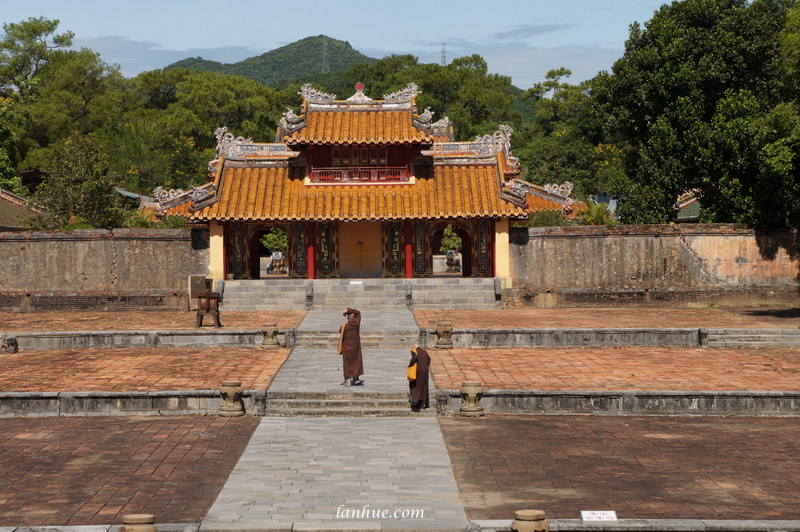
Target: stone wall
(693,264)
(82,269)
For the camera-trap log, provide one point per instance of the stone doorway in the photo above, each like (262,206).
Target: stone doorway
(360,249)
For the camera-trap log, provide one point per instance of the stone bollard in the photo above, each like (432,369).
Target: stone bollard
(471,393)
(529,521)
(444,338)
(138,523)
(270,332)
(231,393)
(9,345)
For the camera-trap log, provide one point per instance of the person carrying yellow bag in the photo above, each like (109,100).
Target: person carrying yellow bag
(418,369)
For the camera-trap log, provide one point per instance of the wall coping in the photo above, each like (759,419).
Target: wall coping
(97,234)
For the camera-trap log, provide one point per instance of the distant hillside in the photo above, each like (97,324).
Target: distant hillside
(298,60)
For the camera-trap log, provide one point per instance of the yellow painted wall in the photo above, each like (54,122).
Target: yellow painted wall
(502,252)
(216,252)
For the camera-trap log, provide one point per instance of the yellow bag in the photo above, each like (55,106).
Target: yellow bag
(412,372)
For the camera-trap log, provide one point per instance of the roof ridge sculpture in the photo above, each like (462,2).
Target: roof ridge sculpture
(310,94)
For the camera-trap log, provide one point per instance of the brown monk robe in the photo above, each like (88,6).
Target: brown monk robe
(350,348)
(418,389)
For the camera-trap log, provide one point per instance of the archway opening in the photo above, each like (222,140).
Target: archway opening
(269,253)
(452,251)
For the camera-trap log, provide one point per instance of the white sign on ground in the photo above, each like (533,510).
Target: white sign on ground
(598,515)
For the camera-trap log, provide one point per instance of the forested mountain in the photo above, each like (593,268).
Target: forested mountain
(302,59)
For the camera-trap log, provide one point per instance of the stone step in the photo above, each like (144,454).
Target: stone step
(347,412)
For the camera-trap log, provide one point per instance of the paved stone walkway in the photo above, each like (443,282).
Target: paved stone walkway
(316,472)
(330,472)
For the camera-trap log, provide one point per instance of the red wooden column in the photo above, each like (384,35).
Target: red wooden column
(407,230)
(311,241)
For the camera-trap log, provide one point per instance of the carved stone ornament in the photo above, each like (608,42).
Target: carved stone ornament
(498,141)
(408,93)
(231,394)
(426,115)
(228,145)
(471,393)
(313,95)
(565,189)
(291,122)
(163,195)
(442,122)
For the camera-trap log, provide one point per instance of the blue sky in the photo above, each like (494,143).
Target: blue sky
(522,39)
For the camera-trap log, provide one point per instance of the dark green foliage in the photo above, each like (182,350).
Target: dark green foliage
(299,60)
(686,102)
(549,219)
(78,191)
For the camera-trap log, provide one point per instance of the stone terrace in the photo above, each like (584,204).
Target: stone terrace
(138,320)
(534,318)
(619,368)
(140,369)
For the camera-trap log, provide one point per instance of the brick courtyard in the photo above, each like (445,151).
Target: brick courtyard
(648,468)
(619,368)
(139,369)
(83,471)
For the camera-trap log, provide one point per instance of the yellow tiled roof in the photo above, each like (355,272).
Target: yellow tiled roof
(357,127)
(279,193)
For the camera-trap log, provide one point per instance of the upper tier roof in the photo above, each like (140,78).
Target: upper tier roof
(361,120)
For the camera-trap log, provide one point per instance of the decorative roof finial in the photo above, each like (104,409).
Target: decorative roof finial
(359,96)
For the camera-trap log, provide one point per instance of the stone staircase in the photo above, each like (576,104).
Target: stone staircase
(292,404)
(369,339)
(750,337)
(375,294)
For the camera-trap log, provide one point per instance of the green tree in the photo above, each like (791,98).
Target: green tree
(78,187)
(660,101)
(450,240)
(275,240)
(25,48)
(9,153)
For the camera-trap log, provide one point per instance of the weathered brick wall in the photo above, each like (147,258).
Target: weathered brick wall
(123,268)
(688,263)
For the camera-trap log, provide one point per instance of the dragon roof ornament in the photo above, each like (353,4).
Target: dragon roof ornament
(310,94)
(406,94)
(228,145)
(564,189)
(290,121)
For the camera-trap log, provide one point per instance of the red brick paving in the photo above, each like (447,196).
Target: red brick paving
(647,468)
(116,320)
(139,369)
(630,317)
(619,368)
(83,471)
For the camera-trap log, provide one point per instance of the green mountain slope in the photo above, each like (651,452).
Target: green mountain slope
(301,59)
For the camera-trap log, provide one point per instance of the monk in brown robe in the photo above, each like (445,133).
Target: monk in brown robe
(418,388)
(350,348)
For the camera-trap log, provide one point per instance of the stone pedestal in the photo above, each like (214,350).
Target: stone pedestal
(9,345)
(444,338)
(138,523)
(529,521)
(270,332)
(231,394)
(471,393)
